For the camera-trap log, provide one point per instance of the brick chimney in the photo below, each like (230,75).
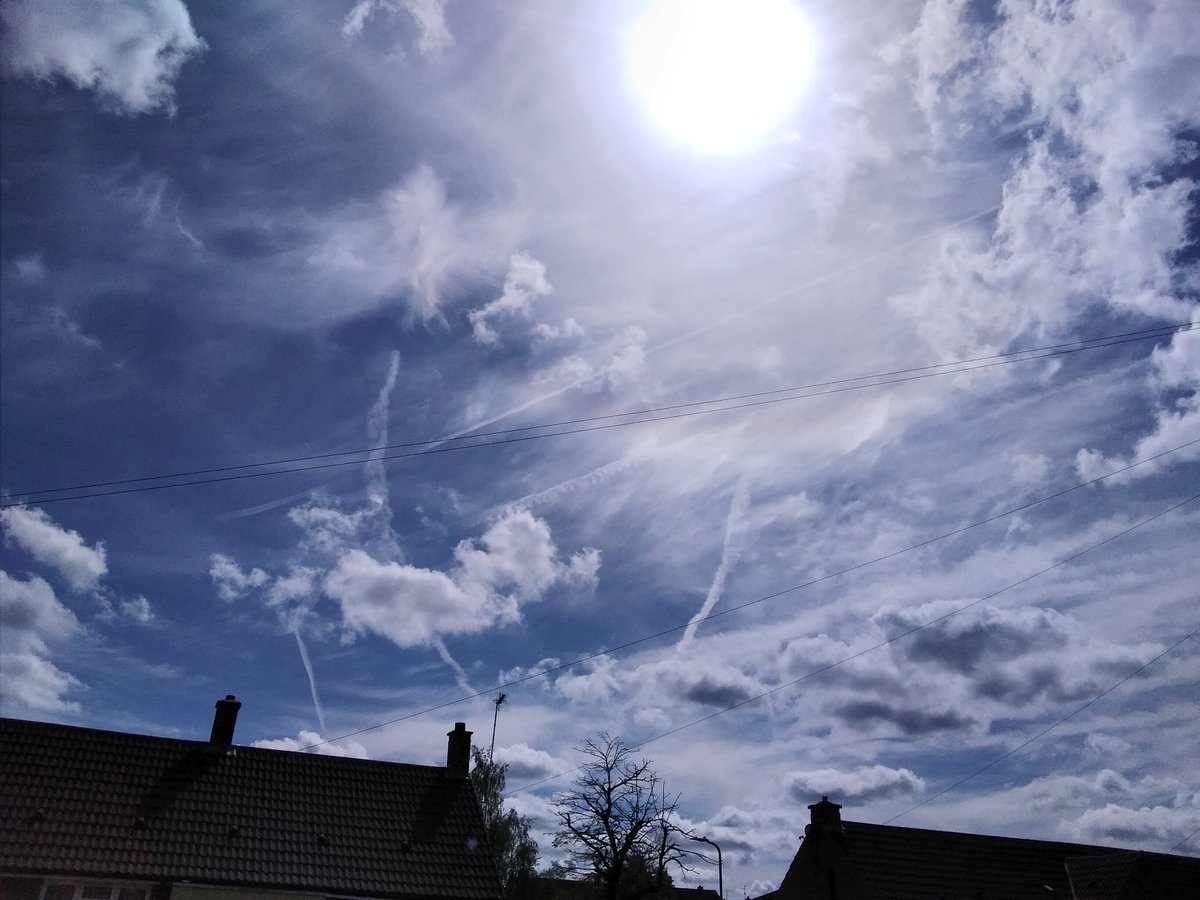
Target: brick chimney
(458,751)
(224,722)
(825,818)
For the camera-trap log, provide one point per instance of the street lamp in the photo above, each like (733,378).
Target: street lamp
(720,865)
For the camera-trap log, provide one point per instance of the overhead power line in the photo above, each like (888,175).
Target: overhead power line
(542,673)
(1184,841)
(586,424)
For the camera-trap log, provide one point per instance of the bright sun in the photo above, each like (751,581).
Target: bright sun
(720,74)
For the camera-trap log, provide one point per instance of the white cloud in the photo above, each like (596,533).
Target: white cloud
(620,367)
(298,584)
(1176,369)
(517,554)
(62,548)
(327,528)
(525,282)
(138,609)
(428,15)
(1107,745)
(598,683)
(129,53)
(513,563)
(70,330)
(414,241)
(863,785)
(698,680)
(1151,827)
(310,739)
(33,682)
(1030,468)
(518,673)
(231,581)
(1086,216)
(31,615)
(31,269)
(525,763)
(407,604)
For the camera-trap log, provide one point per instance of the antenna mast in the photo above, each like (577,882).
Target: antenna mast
(500,698)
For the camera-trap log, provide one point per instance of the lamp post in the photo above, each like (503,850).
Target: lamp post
(720,865)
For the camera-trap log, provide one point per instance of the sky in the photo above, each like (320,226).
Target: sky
(680,373)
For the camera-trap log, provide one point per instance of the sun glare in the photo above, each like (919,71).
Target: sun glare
(720,74)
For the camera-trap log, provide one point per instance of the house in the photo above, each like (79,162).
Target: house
(545,887)
(858,861)
(104,815)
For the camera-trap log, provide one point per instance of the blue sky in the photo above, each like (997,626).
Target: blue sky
(239,234)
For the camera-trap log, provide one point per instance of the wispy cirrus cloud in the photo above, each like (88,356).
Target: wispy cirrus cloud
(414,243)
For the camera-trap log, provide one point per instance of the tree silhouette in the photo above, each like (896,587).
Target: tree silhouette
(516,852)
(617,823)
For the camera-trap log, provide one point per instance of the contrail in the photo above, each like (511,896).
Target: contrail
(460,675)
(377,429)
(312,679)
(571,485)
(262,507)
(730,553)
(378,497)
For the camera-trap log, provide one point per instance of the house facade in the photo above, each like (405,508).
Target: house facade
(860,861)
(103,815)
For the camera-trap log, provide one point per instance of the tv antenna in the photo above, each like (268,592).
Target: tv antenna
(500,698)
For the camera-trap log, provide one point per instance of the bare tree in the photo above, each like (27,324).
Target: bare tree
(616,822)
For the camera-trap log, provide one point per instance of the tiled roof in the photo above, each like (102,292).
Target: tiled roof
(108,804)
(919,863)
(1134,876)
(885,862)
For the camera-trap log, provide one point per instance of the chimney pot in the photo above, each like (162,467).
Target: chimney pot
(458,751)
(224,722)
(825,816)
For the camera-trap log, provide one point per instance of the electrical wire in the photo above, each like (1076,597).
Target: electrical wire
(841,662)
(542,673)
(606,421)
(1184,841)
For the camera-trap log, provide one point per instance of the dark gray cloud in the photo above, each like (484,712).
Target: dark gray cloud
(863,785)
(1022,686)
(973,639)
(700,682)
(526,763)
(1011,656)
(910,720)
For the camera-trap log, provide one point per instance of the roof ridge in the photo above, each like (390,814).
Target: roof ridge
(1104,850)
(128,736)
